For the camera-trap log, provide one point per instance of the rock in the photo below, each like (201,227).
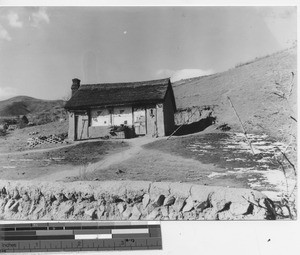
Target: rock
(14,207)
(180,189)
(225,215)
(210,214)
(88,197)
(138,199)
(100,213)
(239,209)
(154,214)
(146,200)
(285,211)
(127,213)
(180,216)
(16,194)
(79,209)
(37,211)
(159,188)
(135,213)
(226,207)
(3,202)
(91,213)
(164,211)
(102,207)
(159,201)
(70,196)
(203,205)
(116,199)
(66,209)
(32,207)
(173,215)
(179,204)
(258,213)
(60,197)
(189,205)
(189,215)
(121,207)
(25,197)
(170,200)
(3,191)
(8,205)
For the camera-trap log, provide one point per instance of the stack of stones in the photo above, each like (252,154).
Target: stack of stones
(34,141)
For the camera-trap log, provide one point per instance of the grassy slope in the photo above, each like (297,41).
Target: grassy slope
(16,140)
(250,88)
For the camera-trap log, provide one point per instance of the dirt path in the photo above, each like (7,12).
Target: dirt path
(134,149)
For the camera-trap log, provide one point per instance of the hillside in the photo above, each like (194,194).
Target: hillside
(262,91)
(36,110)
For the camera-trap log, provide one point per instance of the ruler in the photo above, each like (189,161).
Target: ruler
(80,236)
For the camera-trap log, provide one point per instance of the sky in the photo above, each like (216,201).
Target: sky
(43,48)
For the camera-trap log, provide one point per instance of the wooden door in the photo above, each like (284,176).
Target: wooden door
(76,128)
(139,120)
(81,124)
(151,121)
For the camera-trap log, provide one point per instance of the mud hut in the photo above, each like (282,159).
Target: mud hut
(145,107)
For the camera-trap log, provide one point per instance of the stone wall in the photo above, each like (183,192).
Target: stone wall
(129,200)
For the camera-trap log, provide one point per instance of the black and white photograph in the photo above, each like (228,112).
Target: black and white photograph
(142,113)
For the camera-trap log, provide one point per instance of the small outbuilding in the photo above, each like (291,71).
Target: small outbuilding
(147,108)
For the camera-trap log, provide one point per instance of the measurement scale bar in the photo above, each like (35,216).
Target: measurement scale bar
(79,236)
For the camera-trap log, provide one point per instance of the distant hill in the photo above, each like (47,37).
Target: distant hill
(263,92)
(37,110)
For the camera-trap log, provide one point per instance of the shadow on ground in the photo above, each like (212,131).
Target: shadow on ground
(194,127)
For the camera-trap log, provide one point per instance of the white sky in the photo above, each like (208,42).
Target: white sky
(43,48)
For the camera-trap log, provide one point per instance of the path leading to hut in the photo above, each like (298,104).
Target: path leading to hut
(135,148)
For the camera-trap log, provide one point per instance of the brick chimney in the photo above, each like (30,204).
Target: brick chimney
(75,86)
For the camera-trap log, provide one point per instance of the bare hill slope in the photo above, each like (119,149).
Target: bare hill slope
(263,92)
(35,109)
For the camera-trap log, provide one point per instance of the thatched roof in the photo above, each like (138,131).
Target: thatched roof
(114,94)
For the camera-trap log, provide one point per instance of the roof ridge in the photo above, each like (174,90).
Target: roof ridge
(88,95)
(141,83)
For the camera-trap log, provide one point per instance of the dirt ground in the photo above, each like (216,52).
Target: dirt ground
(42,163)
(219,159)
(207,158)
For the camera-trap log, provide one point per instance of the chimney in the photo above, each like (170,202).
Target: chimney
(75,86)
